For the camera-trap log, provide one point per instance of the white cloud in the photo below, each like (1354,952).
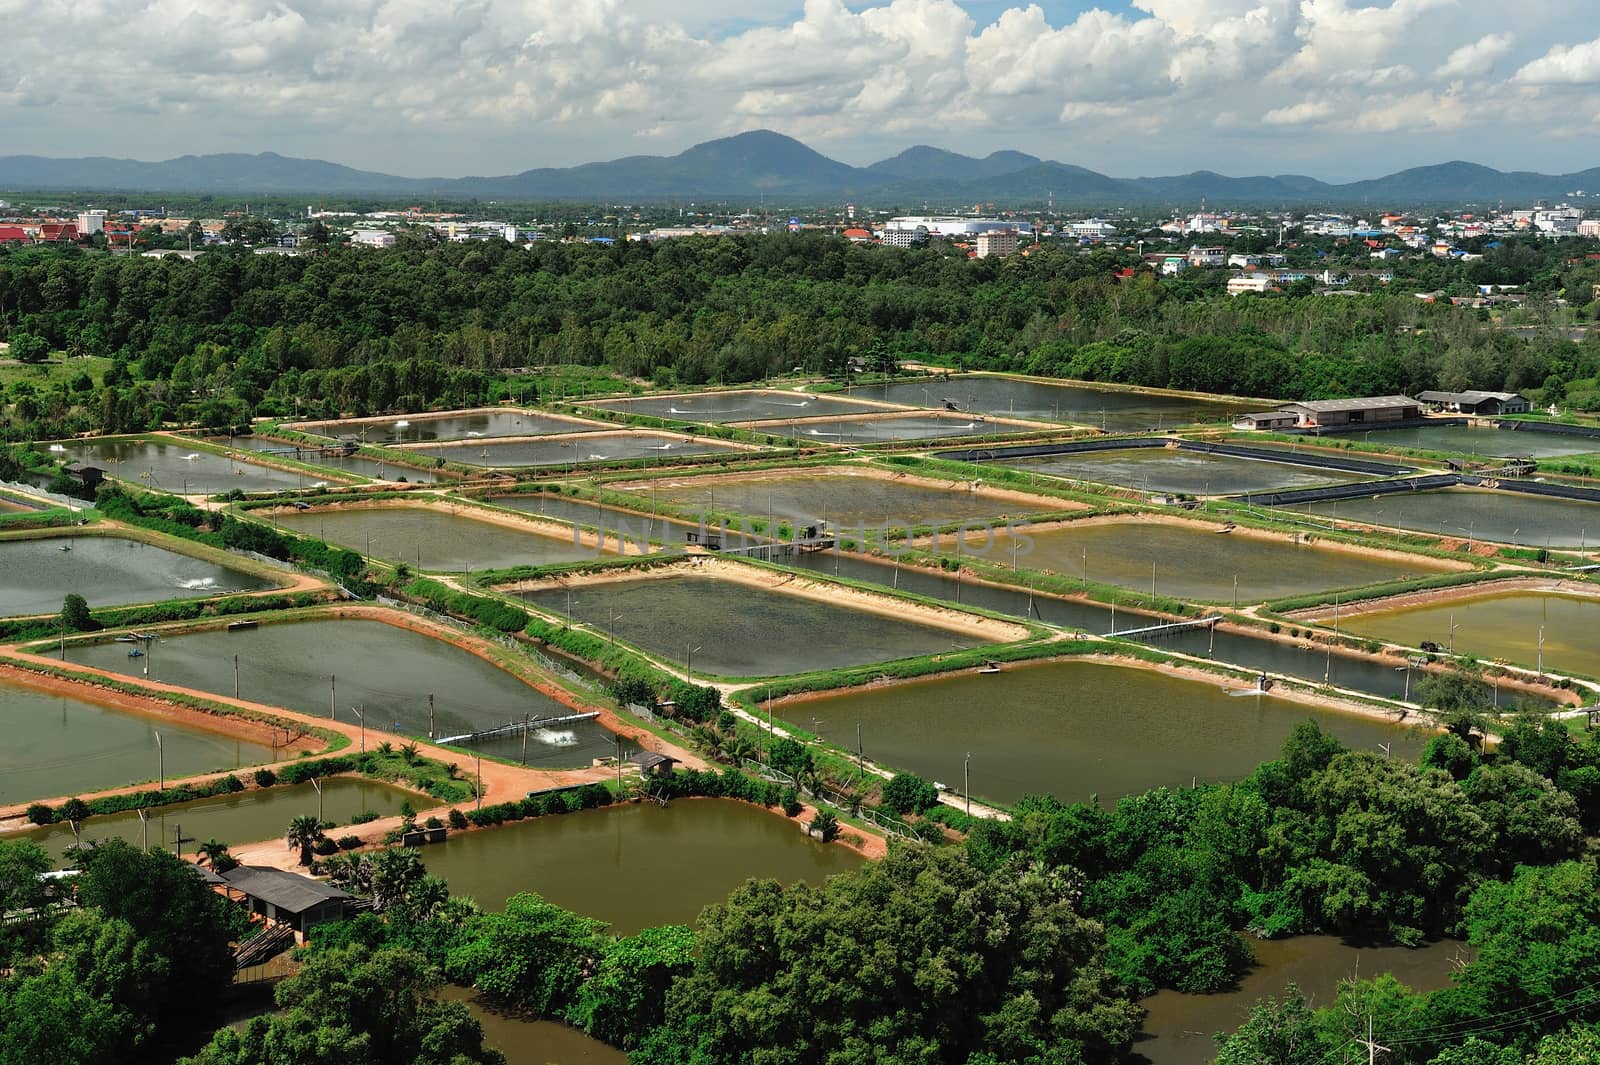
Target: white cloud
(1300,114)
(1563,65)
(1475,59)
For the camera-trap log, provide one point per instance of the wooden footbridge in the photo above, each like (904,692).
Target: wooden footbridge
(516,726)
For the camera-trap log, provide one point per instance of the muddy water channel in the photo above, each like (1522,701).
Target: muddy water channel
(1507,626)
(838,497)
(1188,562)
(421,428)
(1052,402)
(559,451)
(180,468)
(245,817)
(1503,517)
(635,866)
(354,465)
(1179,1027)
(57,745)
(746,406)
(1076,729)
(388,671)
(107,571)
(1189,472)
(435,538)
(737,630)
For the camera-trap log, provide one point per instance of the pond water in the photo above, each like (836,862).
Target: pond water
(838,497)
(354,465)
(595,447)
(244,817)
(1032,398)
(1075,729)
(529,1042)
(1501,626)
(742,406)
(738,630)
(635,866)
(388,671)
(1503,517)
(1467,440)
(1158,469)
(58,745)
(1188,562)
(433,538)
(632,527)
(182,469)
(421,428)
(1179,1027)
(889,428)
(107,571)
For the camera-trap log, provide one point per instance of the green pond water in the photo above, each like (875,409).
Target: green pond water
(736,630)
(635,866)
(595,447)
(1505,626)
(1188,472)
(1122,411)
(1075,729)
(890,428)
(245,817)
(421,428)
(1187,563)
(1179,1027)
(742,406)
(56,745)
(839,498)
(354,465)
(107,571)
(1503,517)
(433,538)
(387,671)
(1467,440)
(183,469)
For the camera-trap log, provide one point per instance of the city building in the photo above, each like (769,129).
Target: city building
(91,222)
(1238,286)
(1271,419)
(373,238)
(1214,256)
(998,243)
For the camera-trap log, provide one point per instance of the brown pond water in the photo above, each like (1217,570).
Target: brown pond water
(1505,626)
(528,1042)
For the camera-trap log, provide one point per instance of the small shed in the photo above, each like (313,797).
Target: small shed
(653,763)
(300,902)
(1271,419)
(88,476)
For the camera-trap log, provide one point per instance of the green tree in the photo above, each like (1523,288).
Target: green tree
(304,832)
(75,613)
(1278,1032)
(626,996)
(534,955)
(29,348)
(907,793)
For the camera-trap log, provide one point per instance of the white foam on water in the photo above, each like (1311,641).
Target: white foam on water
(556,737)
(402,424)
(57,448)
(196,583)
(191,456)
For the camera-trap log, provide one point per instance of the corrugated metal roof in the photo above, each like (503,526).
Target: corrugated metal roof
(1332,406)
(290,892)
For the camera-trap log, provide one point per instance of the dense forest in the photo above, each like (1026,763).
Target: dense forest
(1029,944)
(231,335)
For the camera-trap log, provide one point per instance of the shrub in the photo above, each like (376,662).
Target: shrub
(791,802)
(349,843)
(907,793)
(364,816)
(433,822)
(265,778)
(457,818)
(231,784)
(40,814)
(73,809)
(325,846)
(825,825)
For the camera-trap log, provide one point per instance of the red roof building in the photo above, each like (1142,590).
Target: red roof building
(12,235)
(58,231)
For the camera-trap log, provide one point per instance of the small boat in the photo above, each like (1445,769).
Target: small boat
(135,653)
(990,667)
(66,547)
(125,638)
(232,625)
(1228,528)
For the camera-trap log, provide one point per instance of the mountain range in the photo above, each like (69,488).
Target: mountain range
(765,164)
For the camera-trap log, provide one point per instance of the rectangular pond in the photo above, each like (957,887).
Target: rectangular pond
(60,745)
(1199,473)
(461,425)
(738,406)
(389,671)
(890,428)
(838,497)
(611,446)
(1505,626)
(740,630)
(1074,729)
(107,571)
(1190,562)
(237,819)
(635,866)
(352,465)
(433,538)
(1110,409)
(185,470)
(1503,517)
(1487,442)
(630,527)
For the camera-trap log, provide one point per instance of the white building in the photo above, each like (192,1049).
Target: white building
(1000,243)
(1589,228)
(91,222)
(373,238)
(1258,283)
(924,227)
(1092,229)
(1215,256)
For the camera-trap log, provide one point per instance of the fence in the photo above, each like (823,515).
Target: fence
(510,643)
(839,800)
(305,571)
(39,493)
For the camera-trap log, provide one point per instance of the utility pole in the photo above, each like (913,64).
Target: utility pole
(526,718)
(361,715)
(315,783)
(966,788)
(1373,1049)
(161,759)
(333,691)
(430,715)
(479,787)
(236,677)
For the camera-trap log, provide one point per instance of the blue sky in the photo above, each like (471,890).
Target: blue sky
(1336,88)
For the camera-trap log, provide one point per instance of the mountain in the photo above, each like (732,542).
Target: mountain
(762,163)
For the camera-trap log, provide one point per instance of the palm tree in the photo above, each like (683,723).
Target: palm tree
(216,852)
(304,831)
(409,753)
